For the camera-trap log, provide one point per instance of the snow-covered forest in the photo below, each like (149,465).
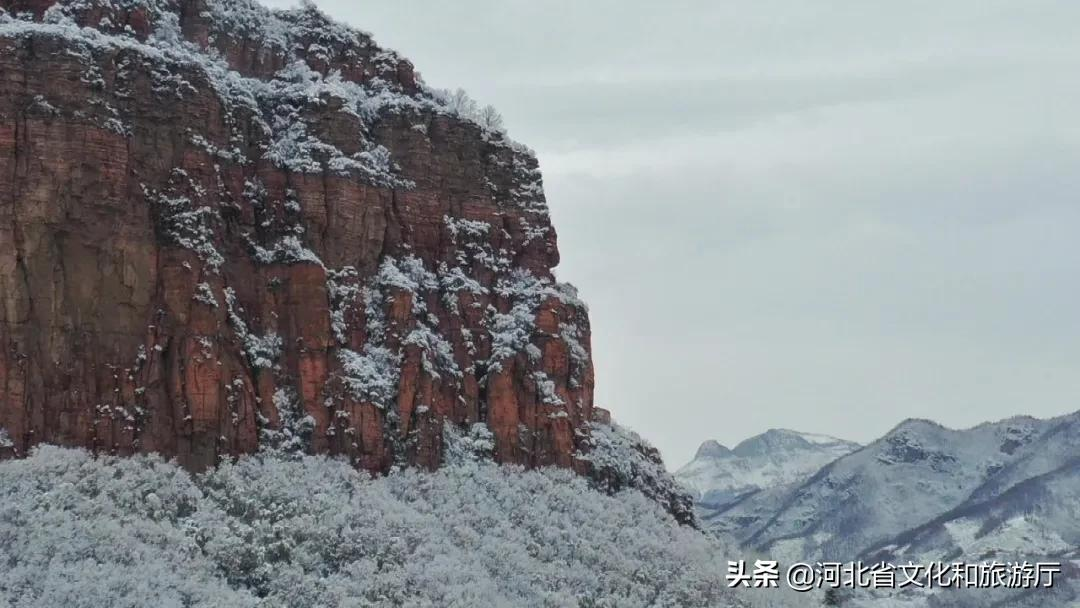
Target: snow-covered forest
(269,531)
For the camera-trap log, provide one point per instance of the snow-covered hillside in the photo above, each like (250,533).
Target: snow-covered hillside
(1037,520)
(1006,491)
(914,474)
(76,531)
(718,476)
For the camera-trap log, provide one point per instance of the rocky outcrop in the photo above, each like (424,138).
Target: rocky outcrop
(619,459)
(223,228)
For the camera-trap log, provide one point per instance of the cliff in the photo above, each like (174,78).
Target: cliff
(223,228)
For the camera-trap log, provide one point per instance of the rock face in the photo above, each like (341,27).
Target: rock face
(223,227)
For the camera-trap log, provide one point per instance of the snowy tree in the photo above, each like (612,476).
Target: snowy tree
(459,103)
(490,119)
(273,532)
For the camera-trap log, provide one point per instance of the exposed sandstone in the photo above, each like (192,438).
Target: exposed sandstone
(222,228)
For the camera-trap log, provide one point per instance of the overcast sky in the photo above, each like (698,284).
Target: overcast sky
(824,216)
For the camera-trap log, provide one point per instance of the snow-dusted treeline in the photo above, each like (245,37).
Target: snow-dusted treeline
(311,531)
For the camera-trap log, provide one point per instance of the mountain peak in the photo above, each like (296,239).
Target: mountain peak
(785,439)
(711,449)
(774,458)
(918,424)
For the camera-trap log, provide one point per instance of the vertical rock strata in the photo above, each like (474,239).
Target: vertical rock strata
(223,228)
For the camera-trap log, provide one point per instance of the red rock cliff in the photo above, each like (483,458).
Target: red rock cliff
(223,227)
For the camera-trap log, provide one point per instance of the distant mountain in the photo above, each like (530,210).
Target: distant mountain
(1007,490)
(925,488)
(719,477)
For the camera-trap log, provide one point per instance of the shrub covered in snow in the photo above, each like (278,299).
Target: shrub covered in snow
(371,375)
(77,531)
(474,444)
(293,432)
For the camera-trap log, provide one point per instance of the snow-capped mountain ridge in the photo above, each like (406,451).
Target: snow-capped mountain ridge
(1006,491)
(719,476)
(784,438)
(916,473)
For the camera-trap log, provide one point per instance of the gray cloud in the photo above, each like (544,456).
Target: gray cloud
(789,214)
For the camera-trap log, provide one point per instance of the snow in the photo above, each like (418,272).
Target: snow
(296,88)
(275,531)
(42,105)
(1002,490)
(453,281)
(185,222)
(343,287)
(277,107)
(817,439)
(1005,491)
(487,118)
(1018,535)
(511,332)
(473,245)
(436,353)
(288,250)
(620,458)
(571,335)
(371,375)
(462,227)
(474,444)
(262,351)
(205,294)
(368,374)
(545,387)
(773,459)
(407,273)
(292,434)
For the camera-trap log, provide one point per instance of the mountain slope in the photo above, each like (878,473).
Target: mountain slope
(1036,520)
(1036,517)
(913,475)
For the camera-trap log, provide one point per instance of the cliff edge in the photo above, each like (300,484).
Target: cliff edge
(224,227)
